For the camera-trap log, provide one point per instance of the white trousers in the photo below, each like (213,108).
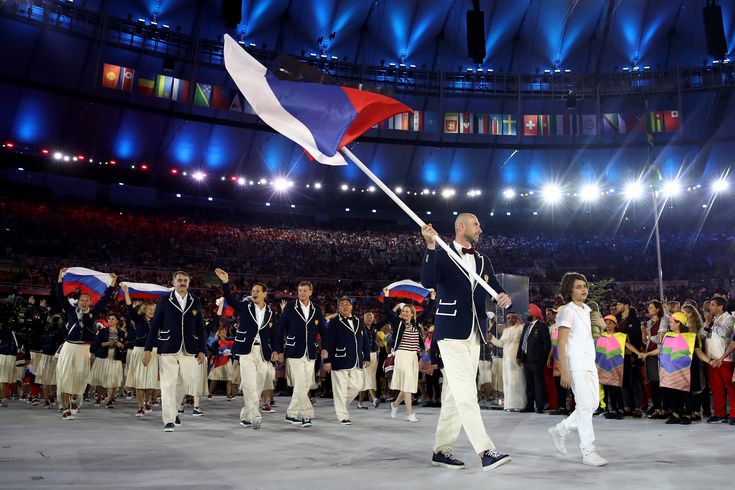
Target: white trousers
(252,377)
(585,387)
(302,374)
(346,384)
(459,396)
(177,374)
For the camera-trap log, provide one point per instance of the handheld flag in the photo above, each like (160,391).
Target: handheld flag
(91,282)
(143,290)
(406,289)
(320,118)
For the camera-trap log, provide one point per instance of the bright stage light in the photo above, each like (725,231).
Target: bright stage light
(551,193)
(371,188)
(590,193)
(280,184)
(634,191)
(399,190)
(447,193)
(671,189)
(344,187)
(58,156)
(509,193)
(199,176)
(241,181)
(720,185)
(317,185)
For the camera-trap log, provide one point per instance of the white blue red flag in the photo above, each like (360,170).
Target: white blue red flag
(319,118)
(144,290)
(89,281)
(406,289)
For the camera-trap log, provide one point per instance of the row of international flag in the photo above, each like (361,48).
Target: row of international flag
(215,96)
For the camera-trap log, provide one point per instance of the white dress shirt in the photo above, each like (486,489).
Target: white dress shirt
(181,300)
(304,308)
(468,259)
(259,317)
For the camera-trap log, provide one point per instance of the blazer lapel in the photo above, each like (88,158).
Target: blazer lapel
(479,267)
(456,259)
(251,310)
(174,301)
(312,311)
(297,307)
(266,318)
(189,303)
(346,323)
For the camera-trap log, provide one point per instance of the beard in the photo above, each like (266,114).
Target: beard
(530,318)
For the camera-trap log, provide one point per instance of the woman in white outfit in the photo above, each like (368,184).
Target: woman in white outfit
(514,382)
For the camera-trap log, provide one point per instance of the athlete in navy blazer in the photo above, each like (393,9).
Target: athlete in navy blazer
(297,333)
(459,331)
(347,345)
(247,326)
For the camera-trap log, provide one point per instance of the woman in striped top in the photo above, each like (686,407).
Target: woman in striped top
(407,347)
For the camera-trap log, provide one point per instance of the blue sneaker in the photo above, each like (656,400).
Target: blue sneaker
(493,459)
(445,459)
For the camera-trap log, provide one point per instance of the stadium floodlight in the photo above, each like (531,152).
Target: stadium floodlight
(241,181)
(58,156)
(589,193)
(199,176)
(344,187)
(634,190)
(447,193)
(317,185)
(720,185)
(672,188)
(551,193)
(426,191)
(509,193)
(280,184)
(399,190)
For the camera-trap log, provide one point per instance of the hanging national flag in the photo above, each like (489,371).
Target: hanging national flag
(110,76)
(202,93)
(543,125)
(509,125)
(88,281)
(126,79)
(496,124)
(180,91)
(320,118)
(164,84)
(482,123)
(613,124)
(466,126)
(451,122)
(634,122)
(236,105)
(406,289)
(416,122)
(672,123)
(589,124)
(530,125)
(219,98)
(143,290)
(656,122)
(400,121)
(146,86)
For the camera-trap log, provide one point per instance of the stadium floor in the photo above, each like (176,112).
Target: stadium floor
(105,448)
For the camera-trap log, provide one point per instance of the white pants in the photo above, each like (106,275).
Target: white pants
(252,376)
(177,374)
(585,387)
(459,396)
(302,375)
(346,384)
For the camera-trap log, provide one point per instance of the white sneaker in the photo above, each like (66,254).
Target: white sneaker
(393,411)
(412,418)
(593,459)
(558,439)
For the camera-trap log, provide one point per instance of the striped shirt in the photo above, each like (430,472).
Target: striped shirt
(410,339)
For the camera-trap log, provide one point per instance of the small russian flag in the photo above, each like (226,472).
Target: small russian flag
(227,310)
(143,290)
(319,118)
(406,289)
(89,281)
(225,347)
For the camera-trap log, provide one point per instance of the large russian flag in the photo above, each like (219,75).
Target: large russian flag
(406,289)
(319,118)
(143,290)
(89,281)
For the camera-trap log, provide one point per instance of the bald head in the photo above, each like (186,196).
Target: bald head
(467,228)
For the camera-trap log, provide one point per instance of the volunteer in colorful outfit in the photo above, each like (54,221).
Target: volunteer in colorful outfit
(679,355)
(610,359)
(73,367)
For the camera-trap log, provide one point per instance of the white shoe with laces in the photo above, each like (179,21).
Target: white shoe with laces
(559,440)
(393,411)
(593,459)
(412,418)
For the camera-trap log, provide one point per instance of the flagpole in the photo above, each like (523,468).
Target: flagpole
(457,259)
(658,246)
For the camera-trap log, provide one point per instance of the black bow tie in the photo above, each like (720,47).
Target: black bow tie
(470,251)
(349,318)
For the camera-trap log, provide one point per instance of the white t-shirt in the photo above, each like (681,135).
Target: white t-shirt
(580,345)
